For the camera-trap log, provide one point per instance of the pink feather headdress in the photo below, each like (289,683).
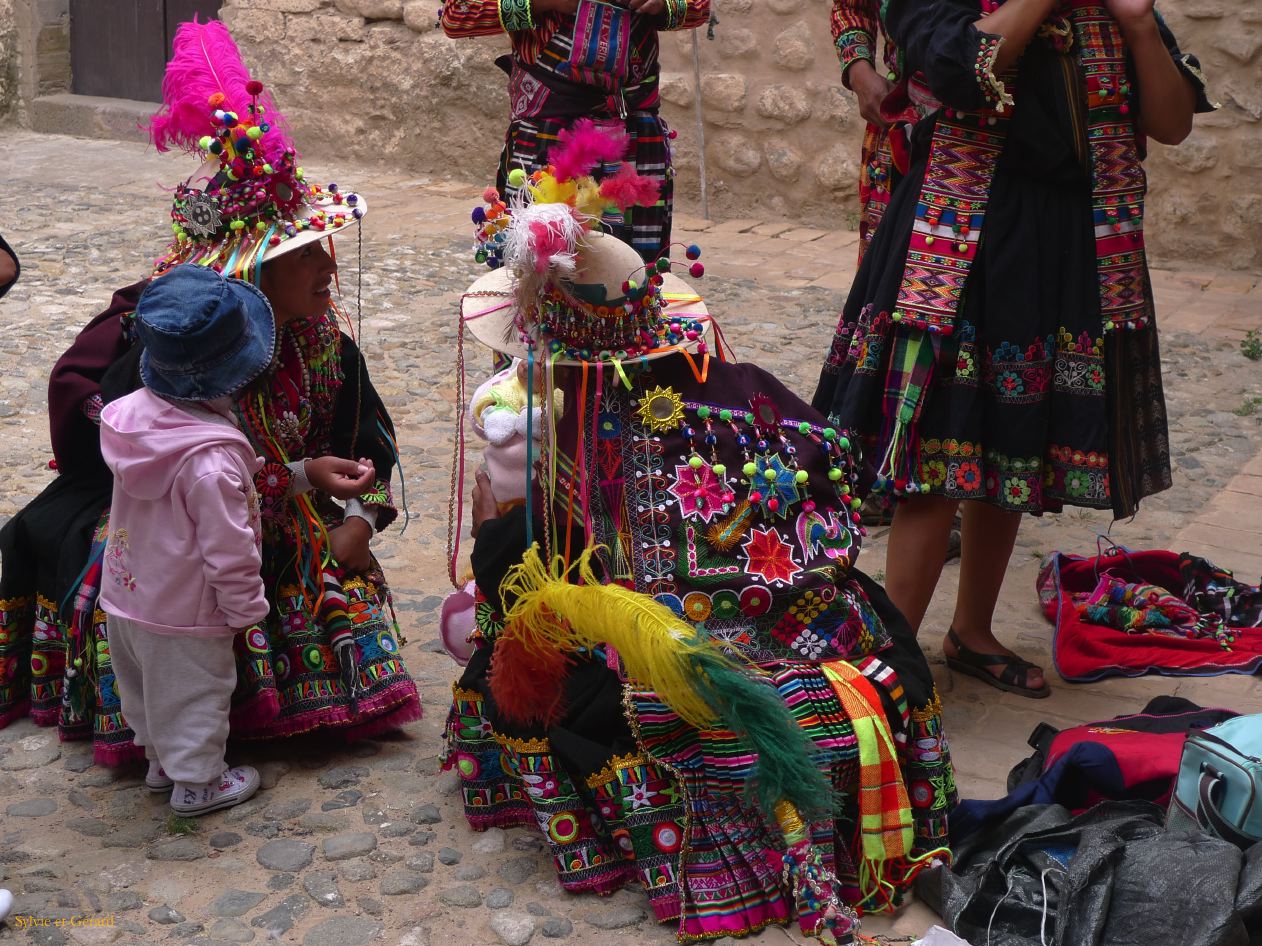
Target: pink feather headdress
(257,203)
(206,64)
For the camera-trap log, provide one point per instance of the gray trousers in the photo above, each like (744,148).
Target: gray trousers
(175,693)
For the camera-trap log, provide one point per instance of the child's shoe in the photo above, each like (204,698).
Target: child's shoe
(157,780)
(232,788)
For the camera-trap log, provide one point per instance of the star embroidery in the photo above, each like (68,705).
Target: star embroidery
(775,481)
(699,491)
(769,557)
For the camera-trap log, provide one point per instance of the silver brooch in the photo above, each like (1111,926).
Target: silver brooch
(201,215)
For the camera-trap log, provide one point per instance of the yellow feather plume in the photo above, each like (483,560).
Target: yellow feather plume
(655,645)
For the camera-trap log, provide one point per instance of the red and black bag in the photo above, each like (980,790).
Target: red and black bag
(1128,757)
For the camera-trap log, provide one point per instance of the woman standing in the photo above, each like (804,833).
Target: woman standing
(577,59)
(998,344)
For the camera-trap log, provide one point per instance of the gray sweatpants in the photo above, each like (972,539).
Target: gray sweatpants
(175,693)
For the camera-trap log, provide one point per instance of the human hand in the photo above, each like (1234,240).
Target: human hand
(484,507)
(348,544)
(341,479)
(870,88)
(568,7)
(647,7)
(1130,12)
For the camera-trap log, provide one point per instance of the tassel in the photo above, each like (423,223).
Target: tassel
(705,687)
(822,912)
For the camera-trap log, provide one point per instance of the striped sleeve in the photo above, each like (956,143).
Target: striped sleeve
(854,25)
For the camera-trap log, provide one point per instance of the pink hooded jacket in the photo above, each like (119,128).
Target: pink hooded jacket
(183,549)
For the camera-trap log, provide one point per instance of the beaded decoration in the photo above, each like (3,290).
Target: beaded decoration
(256,195)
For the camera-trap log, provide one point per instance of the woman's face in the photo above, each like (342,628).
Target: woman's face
(298,283)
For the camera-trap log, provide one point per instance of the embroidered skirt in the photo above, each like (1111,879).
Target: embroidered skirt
(624,791)
(54,642)
(1028,405)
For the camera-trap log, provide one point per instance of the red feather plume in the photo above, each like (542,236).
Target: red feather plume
(628,188)
(206,61)
(527,683)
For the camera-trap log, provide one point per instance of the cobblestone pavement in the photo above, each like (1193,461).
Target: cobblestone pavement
(366,843)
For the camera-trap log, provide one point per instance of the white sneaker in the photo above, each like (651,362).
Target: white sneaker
(232,788)
(157,780)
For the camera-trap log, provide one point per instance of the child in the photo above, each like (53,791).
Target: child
(182,564)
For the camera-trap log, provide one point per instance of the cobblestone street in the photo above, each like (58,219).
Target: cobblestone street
(367,843)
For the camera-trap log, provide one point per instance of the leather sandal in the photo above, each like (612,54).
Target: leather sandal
(1013,678)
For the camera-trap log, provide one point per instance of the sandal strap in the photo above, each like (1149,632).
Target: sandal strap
(1015,672)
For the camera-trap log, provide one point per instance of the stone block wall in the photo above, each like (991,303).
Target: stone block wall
(34,53)
(377,80)
(8,59)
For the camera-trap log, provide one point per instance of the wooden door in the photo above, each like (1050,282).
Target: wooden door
(119,48)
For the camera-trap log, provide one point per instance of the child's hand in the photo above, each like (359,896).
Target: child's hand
(342,479)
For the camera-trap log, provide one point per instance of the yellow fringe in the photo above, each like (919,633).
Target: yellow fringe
(550,612)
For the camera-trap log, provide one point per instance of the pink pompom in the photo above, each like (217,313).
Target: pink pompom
(490,195)
(628,189)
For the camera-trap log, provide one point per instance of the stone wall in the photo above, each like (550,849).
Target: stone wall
(34,53)
(376,80)
(8,59)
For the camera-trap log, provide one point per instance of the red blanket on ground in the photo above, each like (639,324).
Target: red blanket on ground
(1085,651)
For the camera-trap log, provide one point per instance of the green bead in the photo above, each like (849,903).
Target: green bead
(801,476)
(703,412)
(695,462)
(725,415)
(844,443)
(834,474)
(804,428)
(749,417)
(856,504)
(769,475)
(829,433)
(719,469)
(254,132)
(750,469)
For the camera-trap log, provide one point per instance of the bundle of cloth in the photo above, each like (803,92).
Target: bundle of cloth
(1129,613)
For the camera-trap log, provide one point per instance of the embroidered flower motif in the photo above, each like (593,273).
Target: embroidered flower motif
(968,475)
(1010,383)
(935,472)
(769,558)
(699,491)
(809,644)
(965,364)
(1095,378)
(1077,483)
(1016,490)
(808,607)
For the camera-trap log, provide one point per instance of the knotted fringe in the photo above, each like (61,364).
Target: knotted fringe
(549,616)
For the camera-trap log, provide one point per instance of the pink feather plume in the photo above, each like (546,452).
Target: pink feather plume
(629,189)
(206,60)
(582,146)
(547,242)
